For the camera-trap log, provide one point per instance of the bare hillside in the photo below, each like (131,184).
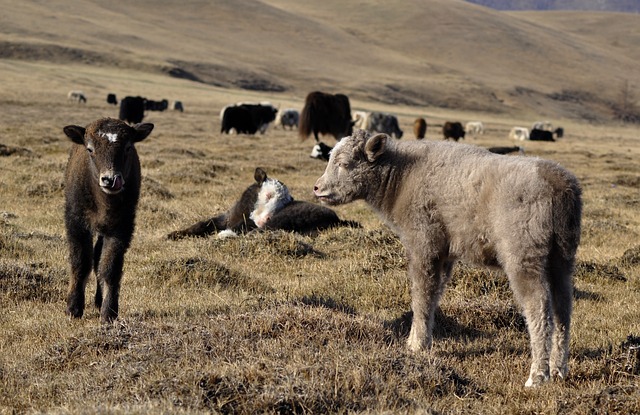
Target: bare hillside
(626,6)
(449,54)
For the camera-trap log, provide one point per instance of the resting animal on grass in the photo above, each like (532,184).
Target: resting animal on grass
(450,201)
(266,204)
(102,187)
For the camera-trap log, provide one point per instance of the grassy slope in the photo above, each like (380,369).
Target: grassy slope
(372,50)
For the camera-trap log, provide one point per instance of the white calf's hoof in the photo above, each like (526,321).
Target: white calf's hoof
(536,380)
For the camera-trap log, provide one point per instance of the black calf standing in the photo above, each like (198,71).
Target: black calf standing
(102,187)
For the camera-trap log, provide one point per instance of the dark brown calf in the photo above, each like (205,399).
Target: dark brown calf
(102,187)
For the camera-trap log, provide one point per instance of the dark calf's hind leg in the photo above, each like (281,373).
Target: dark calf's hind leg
(109,276)
(80,260)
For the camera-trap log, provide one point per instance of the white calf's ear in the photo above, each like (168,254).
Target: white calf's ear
(375,146)
(75,133)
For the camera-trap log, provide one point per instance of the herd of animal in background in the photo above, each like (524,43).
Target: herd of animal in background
(132,109)
(326,114)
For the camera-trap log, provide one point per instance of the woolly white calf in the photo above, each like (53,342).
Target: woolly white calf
(449,201)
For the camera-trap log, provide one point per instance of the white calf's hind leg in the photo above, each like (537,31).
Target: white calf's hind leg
(561,301)
(532,293)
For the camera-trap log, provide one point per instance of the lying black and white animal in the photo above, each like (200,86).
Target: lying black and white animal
(247,118)
(266,204)
(321,151)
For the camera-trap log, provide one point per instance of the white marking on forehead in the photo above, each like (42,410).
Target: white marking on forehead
(112,137)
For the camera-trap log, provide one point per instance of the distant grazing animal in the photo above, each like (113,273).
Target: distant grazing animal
(452,201)
(542,125)
(506,150)
(361,120)
(380,122)
(269,203)
(111,99)
(453,130)
(288,117)
(102,187)
(325,113)
(519,133)
(151,105)
(474,128)
(177,106)
(132,109)
(246,118)
(419,128)
(544,135)
(559,132)
(321,151)
(77,96)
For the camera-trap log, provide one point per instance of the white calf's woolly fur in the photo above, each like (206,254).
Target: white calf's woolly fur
(273,196)
(449,201)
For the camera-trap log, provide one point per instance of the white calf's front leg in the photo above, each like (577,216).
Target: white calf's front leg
(427,285)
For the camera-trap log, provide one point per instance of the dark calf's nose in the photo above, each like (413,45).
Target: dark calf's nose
(106,181)
(113,183)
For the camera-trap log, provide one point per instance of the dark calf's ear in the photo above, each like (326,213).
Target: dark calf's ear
(75,133)
(142,131)
(375,146)
(260,175)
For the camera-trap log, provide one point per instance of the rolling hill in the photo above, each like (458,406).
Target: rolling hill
(435,53)
(625,6)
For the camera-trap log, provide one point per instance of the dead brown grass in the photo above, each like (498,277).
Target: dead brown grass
(283,323)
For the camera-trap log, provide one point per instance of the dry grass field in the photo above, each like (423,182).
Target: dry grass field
(278,322)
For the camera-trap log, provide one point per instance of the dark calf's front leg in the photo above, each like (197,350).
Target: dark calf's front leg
(97,253)
(80,242)
(109,275)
